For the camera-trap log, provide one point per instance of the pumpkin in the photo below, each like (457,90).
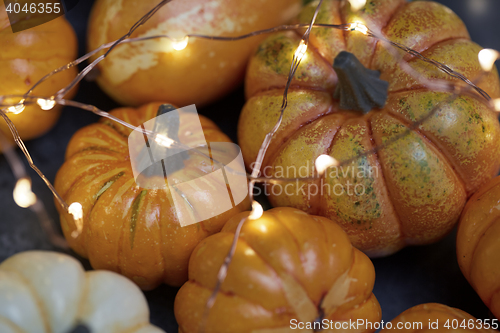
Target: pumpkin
(411,191)
(129,229)
(289,268)
(50,292)
(439,318)
(26,57)
(478,244)
(202,72)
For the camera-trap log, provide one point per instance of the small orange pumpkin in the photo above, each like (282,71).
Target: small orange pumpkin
(202,72)
(478,244)
(289,268)
(410,192)
(438,318)
(27,56)
(126,228)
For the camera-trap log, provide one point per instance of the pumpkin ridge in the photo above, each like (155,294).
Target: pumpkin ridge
(384,180)
(135,213)
(322,179)
(347,271)
(382,30)
(273,152)
(227,293)
(41,306)
(427,139)
(478,241)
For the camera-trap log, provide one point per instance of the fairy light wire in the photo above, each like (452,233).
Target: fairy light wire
(37,205)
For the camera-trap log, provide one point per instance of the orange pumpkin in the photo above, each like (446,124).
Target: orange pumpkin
(439,318)
(412,191)
(289,269)
(27,56)
(126,228)
(202,72)
(478,244)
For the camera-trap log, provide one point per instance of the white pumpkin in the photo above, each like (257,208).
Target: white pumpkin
(48,292)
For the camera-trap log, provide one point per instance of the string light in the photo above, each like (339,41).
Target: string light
(357,4)
(180,44)
(162,140)
(323,162)
(257,211)
(46,104)
(487,58)
(23,195)
(18,108)
(76,210)
(301,50)
(496,104)
(358,26)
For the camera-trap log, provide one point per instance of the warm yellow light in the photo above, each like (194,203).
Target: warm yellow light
(358,26)
(23,196)
(487,58)
(301,50)
(180,44)
(357,4)
(162,140)
(18,108)
(76,210)
(496,104)
(257,211)
(46,104)
(323,162)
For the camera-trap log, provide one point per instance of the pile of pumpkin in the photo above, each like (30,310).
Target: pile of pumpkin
(306,262)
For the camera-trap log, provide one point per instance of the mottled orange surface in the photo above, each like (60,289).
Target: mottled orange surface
(26,57)
(126,228)
(478,244)
(411,191)
(288,265)
(439,318)
(204,71)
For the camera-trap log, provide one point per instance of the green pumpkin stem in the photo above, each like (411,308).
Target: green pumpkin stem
(358,88)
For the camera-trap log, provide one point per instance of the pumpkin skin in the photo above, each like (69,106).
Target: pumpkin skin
(432,312)
(412,191)
(157,249)
(478,244)
(50,292)
(27,56)
(287,265)
(201,73)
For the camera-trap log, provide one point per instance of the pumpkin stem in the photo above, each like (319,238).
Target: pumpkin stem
(80,329)
(169,126)
(359,88)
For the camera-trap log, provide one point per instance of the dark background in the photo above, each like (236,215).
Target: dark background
(410,277)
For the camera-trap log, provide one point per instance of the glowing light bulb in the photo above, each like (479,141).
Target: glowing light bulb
(358,26)
(18,108)
(323,162)
(301,50)
(487,58)
(180,44)
(46,104)
(257,211)
(23,196)
(76,210)
(496,104)
(357,4)
(162,140)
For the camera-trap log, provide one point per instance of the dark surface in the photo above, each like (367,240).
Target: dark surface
(410,277)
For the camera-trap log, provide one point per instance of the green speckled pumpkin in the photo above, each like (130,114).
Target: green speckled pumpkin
(410,192)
